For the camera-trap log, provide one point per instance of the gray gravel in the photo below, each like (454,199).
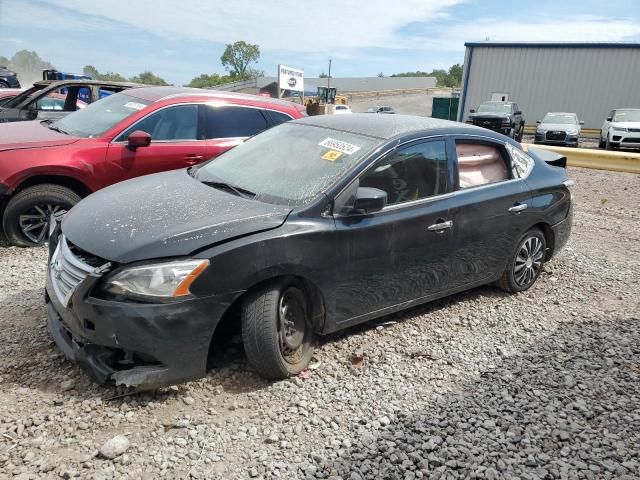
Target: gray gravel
(540,385)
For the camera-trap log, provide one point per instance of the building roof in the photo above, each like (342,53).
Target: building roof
(553,44)
(363,84)
(382,126)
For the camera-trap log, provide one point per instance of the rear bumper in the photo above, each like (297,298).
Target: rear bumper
(138,345)
(562,232)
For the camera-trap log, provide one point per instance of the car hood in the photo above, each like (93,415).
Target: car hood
(164,215)
(563,127)
(21,135)
(488,115)
(625,124)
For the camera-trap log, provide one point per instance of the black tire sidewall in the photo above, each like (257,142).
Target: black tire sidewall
(25,200)
(512,285)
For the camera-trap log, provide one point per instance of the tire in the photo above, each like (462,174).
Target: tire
(527,259)
(265,343)
(520,133)
(3,84)
(37,202)
(602,143)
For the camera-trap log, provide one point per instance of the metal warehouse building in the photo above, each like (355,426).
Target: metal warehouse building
(590,79)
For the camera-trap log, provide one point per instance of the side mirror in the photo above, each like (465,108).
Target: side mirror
(473,110)
(538,121)
(609,119)
(518,112)
(369,200)
(581,122)
(139,139)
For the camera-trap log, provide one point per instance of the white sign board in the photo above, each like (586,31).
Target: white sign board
(290,78)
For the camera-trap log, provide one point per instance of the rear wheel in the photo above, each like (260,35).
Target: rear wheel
(276,330)
(3,84)
(28,214)
(526,263)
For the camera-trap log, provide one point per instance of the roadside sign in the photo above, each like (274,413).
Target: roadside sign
(290,78)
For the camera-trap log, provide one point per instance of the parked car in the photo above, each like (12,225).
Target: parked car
(7,94)
(559,128)
(501,117)
(621,128)
(35,102)
(46,167)
(382,109)
(308,228)
(342,109)
(8,79)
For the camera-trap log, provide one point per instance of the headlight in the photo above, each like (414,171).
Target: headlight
(573,131)
(619,129)
(161,280)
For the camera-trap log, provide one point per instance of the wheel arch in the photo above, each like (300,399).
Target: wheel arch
(230,318)
(67,181)
(549,238)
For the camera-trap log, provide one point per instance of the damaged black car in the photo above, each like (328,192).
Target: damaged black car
(310,227)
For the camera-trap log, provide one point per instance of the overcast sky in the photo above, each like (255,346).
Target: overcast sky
(178,40)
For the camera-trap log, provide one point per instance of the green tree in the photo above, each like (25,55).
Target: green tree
(28,65)
(380,75)
(238,56)
(148,78)
(4,61)
(91,71)
(323,75)
(455,73)
(206,81)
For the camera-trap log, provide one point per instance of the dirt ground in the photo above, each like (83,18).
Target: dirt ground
(400,415)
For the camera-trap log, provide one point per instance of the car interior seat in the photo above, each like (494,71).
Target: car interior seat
(480,164)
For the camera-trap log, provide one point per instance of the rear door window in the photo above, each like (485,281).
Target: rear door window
(233,121)
(278,117)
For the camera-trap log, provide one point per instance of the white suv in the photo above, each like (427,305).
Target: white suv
(621,129)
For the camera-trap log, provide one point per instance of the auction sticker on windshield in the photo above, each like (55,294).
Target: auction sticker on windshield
(339,145)
(332,155)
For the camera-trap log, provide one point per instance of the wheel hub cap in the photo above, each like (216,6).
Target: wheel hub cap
(528,261)
(292,320)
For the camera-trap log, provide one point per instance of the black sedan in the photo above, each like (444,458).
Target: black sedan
(305,229)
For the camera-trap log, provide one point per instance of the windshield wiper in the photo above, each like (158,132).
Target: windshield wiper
(51,126)
(239,191)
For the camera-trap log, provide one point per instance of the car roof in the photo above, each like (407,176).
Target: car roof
(383,127)
(155,94)
(103,83)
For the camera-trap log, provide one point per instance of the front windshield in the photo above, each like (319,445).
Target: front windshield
(98,117)
(627,116)
(18,99)
(560,118)
(494,108)
(288,164)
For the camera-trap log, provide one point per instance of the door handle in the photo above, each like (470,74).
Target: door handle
(193,159)
(440,226)
(518,207)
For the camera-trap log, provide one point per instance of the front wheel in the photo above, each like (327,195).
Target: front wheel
(602,143)
(276,330)
(28,214)
(520,133)
(525,264)
(608,145)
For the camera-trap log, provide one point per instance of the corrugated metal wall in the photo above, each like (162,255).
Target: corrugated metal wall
(589,81)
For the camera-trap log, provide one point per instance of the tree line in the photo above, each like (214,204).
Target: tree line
(237,59)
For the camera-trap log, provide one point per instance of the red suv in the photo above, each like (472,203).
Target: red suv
(48,166)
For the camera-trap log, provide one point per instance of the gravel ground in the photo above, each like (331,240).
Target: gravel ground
(539,385)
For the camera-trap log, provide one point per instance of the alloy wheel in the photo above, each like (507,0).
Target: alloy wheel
(34,223)
(528,261)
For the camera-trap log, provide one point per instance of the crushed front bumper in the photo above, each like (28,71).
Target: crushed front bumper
(134,344)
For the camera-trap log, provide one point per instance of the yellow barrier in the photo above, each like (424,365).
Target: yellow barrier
(585,132)
(597,159)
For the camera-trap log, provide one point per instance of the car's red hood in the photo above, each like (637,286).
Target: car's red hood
(19,135)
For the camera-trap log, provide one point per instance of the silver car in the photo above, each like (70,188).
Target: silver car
(559,128)
(621,129)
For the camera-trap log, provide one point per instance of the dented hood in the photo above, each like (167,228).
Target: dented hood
(164,215)
(21,135)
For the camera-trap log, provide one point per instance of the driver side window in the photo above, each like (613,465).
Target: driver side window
(411,173)
(173,123)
